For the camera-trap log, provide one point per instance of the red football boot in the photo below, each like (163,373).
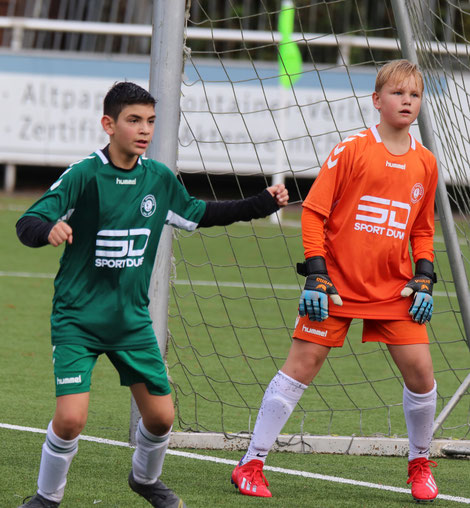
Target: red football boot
(250,480)
(423,485)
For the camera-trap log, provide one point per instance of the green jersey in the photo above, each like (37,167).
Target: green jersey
(117,216)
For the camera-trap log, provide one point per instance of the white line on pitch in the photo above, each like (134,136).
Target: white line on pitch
(28,275)
(208,458)
(211,283)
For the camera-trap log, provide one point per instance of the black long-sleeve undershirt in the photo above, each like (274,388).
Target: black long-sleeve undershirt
(223,213)
(34,232)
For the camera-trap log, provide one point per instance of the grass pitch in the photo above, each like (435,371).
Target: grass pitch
(99,472)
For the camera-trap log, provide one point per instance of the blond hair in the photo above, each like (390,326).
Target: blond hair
(398,71)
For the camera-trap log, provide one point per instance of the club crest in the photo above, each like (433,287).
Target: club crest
(148,205)
(417,192)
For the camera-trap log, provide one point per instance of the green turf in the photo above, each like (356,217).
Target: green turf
(98,477)
(237,358)
(227,342)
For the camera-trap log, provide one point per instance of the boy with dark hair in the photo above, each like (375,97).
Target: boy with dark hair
(373,197)
(125,94)
(109,209)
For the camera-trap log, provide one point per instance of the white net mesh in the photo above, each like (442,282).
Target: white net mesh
(235,294)
(441,34)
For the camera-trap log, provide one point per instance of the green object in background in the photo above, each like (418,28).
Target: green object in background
(290,59)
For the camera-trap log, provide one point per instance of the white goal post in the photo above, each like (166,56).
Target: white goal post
(233,291)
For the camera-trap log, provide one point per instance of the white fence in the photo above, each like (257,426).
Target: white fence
(51,103)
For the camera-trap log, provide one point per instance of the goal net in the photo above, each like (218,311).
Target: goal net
(253,113)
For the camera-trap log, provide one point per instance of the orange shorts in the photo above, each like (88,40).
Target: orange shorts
(333,330)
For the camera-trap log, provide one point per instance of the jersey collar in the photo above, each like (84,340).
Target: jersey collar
(106,159)
(378,139)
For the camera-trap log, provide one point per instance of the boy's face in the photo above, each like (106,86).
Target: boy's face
(132,132)
(398,102)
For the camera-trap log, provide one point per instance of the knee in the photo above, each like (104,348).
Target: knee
(161,423)
(419,380)
(68,426)
(303,369)
(304,360)
(420,385)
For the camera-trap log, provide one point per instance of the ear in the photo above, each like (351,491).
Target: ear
(107,123)
(376,100)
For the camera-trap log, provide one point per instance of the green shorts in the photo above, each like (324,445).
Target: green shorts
(73,366)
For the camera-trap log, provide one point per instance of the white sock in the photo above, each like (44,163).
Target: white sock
(57,454)
(419,409)
(147,461)
(280,399)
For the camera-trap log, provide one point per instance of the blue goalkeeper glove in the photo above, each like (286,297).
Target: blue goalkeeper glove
(421,286)
(314,298)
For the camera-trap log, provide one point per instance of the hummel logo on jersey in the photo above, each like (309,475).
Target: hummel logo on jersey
(333,158)
(126,181)
(394,165)
(121,248)
(313,331)
(332,162)
(69,380)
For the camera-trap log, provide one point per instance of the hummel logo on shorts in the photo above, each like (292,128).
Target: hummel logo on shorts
(314,331)
(69,380)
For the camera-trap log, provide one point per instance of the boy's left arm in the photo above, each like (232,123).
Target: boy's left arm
(223,213)
(421,285)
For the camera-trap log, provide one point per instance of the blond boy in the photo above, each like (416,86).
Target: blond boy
(373,197)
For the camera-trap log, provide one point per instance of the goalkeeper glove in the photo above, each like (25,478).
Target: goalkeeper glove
(421,285)
(314,298)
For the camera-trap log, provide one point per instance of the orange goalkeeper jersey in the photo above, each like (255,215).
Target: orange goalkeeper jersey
(374,203)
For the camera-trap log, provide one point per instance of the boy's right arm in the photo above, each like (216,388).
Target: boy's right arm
(318,285)
(45,221)
(34,232)
(60,233)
